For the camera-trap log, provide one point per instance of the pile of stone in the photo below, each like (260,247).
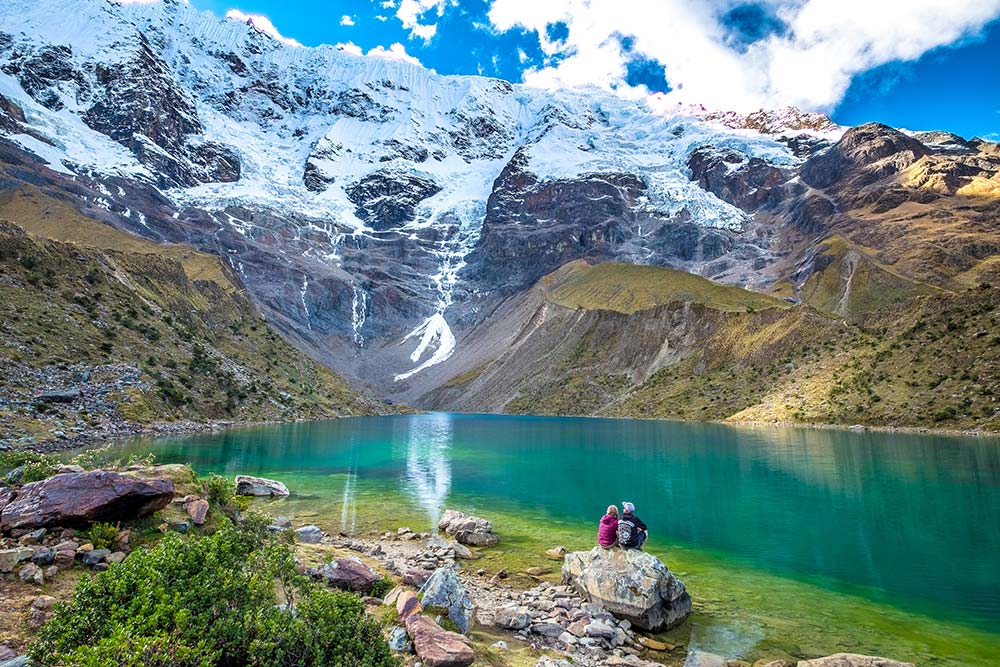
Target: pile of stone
(470,530)
(556,617)
(40,554)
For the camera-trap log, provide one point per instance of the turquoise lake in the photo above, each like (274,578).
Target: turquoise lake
(793,542)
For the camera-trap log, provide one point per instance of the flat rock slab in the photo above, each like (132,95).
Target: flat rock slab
(437,647)
(259,486)
(79,499)
(630,584)
(853,660)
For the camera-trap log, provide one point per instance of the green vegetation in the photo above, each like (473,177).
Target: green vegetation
(102,535)
(22,467)
(853,283)
(221,600)
(628,288)
(176,316)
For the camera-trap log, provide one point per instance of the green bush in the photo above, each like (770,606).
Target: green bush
(210,602)
(381,587)
(27,466)
(102,535)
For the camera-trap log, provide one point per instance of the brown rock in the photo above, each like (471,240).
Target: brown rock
(115,557)
(197,509)
(64,558)
(347,574)
(407,605)
(82,498)
(537,571)
(416,577)
(558,553)
(391,597)
(437,647)
(653,644)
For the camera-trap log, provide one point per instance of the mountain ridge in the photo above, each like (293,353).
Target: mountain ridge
(379,214)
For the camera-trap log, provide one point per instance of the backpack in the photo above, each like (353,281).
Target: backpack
(626,531)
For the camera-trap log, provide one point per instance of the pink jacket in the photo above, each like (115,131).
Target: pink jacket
(607,533)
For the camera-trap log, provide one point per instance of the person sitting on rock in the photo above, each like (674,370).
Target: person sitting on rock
(607,532)
(632,532)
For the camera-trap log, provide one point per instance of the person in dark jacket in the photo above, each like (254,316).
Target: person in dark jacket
(607,531)
(632,532)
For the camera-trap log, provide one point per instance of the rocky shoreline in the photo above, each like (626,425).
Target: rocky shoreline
(435,603)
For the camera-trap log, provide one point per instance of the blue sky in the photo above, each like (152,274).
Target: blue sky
(920,64)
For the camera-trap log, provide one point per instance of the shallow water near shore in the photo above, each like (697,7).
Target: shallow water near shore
(793,542)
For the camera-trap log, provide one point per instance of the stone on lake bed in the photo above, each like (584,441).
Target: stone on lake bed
(852,660)
(557,553)
(247,485)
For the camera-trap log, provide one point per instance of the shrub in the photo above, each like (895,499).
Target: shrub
(102,535)
(381,587)
(22,467)
(210,602)
(221,493)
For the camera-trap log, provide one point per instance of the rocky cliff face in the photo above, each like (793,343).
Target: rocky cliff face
(378,213)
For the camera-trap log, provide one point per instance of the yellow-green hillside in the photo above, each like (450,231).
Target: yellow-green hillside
(629,288)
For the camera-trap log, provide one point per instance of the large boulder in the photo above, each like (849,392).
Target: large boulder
(467,529)
(437,647)
(444,591)
(259,486)
(78,499)
(347,574)
(852,660)
(630,584)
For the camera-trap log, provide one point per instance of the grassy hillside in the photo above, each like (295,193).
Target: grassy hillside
(932,362)
(141,334)
(653,343)
(849,281)
(629,288)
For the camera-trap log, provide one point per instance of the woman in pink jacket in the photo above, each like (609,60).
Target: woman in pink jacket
(607,532)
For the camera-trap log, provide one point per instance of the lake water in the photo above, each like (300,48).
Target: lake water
(793,542)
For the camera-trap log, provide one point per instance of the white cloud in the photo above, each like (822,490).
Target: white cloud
(261,23)
(396,51)
(411,12)
(811,65)
(349,47)
(346,20)
(382,18)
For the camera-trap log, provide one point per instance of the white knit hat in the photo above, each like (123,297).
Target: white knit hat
(628,507)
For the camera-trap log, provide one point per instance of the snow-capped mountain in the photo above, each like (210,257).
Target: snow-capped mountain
(374,209)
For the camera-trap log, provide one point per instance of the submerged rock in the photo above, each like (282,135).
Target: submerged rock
(77,499)
(466,529)
(704,659)
(247,485)
(853,660)
(437,647)
(443,590)
(630,584)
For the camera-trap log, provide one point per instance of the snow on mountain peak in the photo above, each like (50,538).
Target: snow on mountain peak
(224,113)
